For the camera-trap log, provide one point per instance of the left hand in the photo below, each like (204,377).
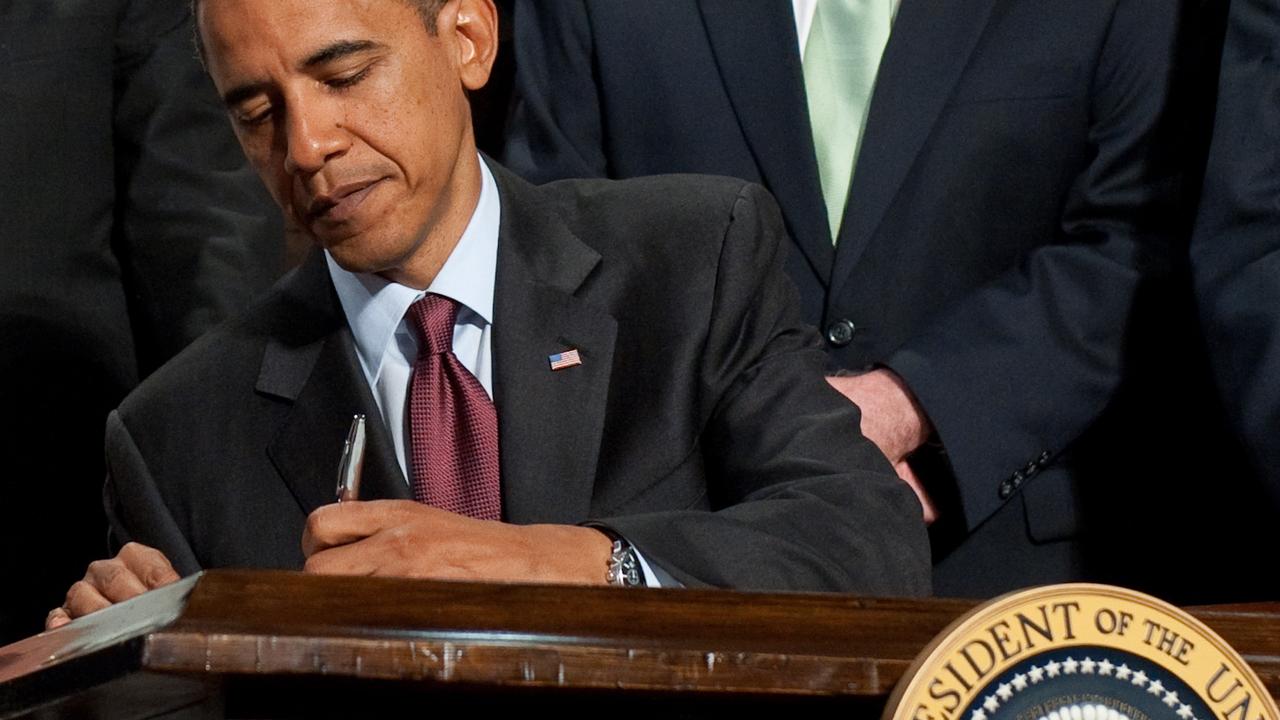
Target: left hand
(894,421)
(403,538)
(891,417)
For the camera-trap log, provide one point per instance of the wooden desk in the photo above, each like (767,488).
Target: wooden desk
(257,644)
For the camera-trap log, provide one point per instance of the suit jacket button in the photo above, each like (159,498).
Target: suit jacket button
(1006,489)
(840,332)
(1031,469)
(1044,458)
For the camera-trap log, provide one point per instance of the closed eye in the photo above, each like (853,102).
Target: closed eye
(256,115)
(342,82)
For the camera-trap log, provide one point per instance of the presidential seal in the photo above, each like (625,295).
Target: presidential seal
(1079,652)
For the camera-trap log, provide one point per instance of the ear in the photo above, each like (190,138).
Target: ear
(473,24)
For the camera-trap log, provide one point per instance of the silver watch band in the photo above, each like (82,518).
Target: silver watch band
(624,565)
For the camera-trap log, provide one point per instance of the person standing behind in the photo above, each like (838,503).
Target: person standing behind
(132,225)
(1234,251)
(979,193)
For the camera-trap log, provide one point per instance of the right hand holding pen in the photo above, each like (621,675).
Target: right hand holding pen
(133,571)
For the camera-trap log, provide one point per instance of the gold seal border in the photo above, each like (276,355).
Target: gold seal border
(1208,650)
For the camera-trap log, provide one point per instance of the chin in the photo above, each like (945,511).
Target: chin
(355,255)
(354,261)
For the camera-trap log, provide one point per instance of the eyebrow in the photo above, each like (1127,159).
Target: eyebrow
(327,54)
(339,49)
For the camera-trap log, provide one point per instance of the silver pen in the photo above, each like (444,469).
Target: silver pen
(351,466)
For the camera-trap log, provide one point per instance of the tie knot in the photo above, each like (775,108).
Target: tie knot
(434,317)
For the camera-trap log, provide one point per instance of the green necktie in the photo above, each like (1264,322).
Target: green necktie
(841,58)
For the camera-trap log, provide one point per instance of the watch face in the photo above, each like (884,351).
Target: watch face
(632,576)
(624,568)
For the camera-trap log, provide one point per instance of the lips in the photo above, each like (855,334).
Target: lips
(341,203)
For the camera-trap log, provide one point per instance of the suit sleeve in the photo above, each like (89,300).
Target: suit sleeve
(799,499)
(1016,371)
(1236,247)
(197,235)
(135,510)
(555,130)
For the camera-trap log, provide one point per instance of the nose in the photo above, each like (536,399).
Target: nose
(313,136)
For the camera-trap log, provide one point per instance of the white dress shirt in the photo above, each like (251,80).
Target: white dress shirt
(804,9)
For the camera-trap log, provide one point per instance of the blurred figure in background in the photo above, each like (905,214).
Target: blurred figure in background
(1236,249)
(131,225)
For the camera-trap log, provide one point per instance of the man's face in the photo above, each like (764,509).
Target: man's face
(354,115)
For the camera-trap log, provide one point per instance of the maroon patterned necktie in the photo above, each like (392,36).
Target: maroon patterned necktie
(453,425)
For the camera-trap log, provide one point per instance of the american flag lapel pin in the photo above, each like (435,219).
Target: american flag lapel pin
(563,360)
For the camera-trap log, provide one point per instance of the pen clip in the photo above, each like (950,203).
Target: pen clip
(351,466)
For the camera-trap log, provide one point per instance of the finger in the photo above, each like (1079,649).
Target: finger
(908,475)
(56,618)
(149,565)
(357,558)
(340,524)
(83,599)
(114,580)
(334,525)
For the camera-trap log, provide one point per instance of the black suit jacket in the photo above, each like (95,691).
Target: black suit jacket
(698,425)
(1015,192)
(131,224)
(1234,251)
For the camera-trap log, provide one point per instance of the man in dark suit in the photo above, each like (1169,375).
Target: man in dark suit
(132,224)
(1013,192)
(1234,251)
(695,429)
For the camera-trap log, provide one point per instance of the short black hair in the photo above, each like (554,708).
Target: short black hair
(428,9)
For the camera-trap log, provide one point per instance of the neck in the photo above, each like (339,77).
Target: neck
(444,228)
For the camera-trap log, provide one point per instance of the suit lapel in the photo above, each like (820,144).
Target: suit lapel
(758,55)
(549,422)
(927,52)
(310,362)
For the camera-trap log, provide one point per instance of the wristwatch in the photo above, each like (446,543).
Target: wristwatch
(624,564)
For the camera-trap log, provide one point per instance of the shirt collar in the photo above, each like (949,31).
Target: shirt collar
(375,306)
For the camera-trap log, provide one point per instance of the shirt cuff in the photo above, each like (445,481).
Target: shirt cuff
(654,576)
